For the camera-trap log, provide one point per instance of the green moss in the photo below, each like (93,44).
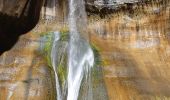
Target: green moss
(97,64)
(64,34)
(98,60)
(97,56)
(62,61)
(47,48)
(62,68)
(62,73)
(105,63)
(44,34)
(49,42)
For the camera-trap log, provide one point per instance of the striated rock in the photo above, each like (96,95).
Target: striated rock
(24,73)
(105,7)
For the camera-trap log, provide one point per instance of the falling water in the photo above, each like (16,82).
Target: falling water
(81,56)
(54,63)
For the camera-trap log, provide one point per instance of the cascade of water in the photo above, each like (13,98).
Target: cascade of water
(54,60)
(81,56)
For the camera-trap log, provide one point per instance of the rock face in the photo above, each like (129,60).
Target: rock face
(17,17)
(105,7)
(135,51)
(12,7)
(24,73)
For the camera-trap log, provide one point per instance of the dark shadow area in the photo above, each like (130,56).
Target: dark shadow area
(11,27)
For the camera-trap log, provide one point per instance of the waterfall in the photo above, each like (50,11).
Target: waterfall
(54,63)
(81,56)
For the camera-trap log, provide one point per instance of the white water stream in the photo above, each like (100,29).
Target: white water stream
(80,54)
(81,57)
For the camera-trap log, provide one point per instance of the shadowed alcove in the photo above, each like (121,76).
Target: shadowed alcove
(17,17)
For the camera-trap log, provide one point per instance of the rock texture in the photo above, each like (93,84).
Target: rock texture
(105,7)
(24,73)
(17,17)
(135,51)
(133,44)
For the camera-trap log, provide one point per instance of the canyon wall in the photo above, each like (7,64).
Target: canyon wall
(132,40)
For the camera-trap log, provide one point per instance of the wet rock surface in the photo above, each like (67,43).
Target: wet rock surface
(135,53)
(24,73)
(134,47)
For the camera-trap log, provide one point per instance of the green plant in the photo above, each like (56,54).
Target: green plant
(61,67)
(97,65)
(64,34)
(97,56)
(62,74)
(47,48)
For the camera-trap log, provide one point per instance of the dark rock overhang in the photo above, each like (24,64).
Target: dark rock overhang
(12,25)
